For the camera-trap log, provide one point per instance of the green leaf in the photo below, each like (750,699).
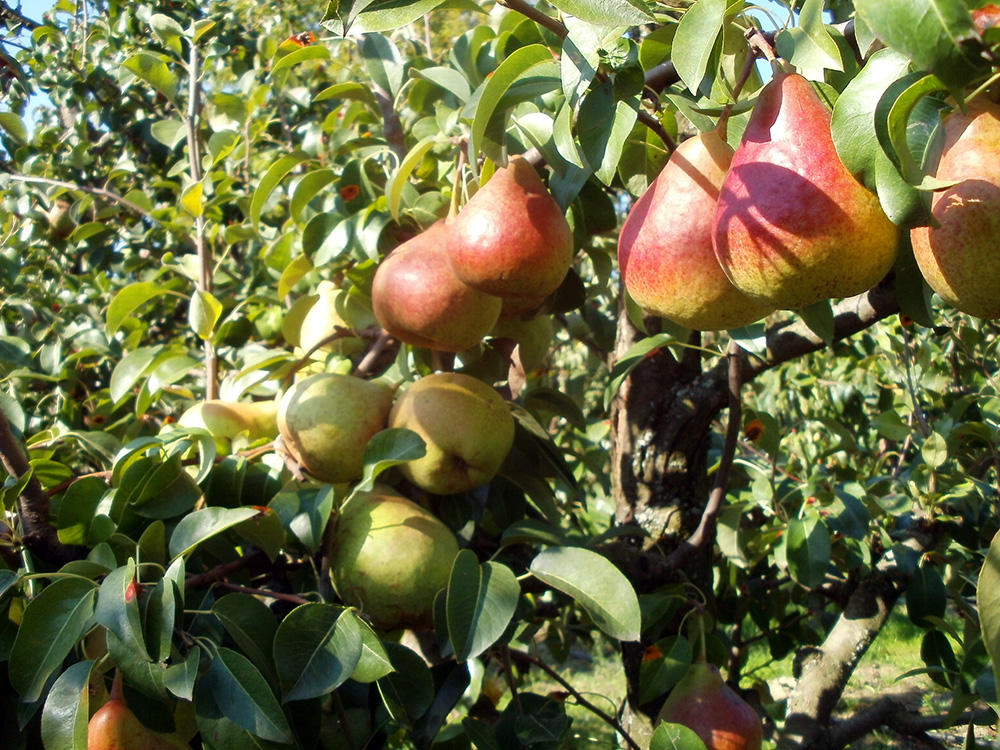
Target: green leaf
(808,551)
(408,690)
(399,178)
(392,446)
(819,318)
(809,45)
(449,79)
(665,662)
(631,359)
(316,648)
(383,62)
(675,737)
(607,12)
(66,711)
(129,369)
(926,596)
(934,451)
(480,603)
(252,626)
(380,15)
(203,524)
(305,513)
(599,587)
(192,200)
(938,35)
(308,188)
(153,71)
(244,697)
(13,126)
(988,603)
(533,63)
(118,606)
(274,175)
(349,90)
(203,313)
(695,41)
(129,299)
(602,135)
(265,531)
(180,678)
(52,624)
(301,55)
(374,662)
(892,120)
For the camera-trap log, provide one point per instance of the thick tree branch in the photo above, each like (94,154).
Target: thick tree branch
(14,17)
(825,671)
(39,535)
(892,713)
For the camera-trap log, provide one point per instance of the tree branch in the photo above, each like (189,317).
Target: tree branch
(394,137)
(890,712)
(825,671)
(39,535)
(101,192)
(10,15)
(530,11)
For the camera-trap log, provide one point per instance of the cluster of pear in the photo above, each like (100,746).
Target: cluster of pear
(722,237)
(704,703)
(507,250)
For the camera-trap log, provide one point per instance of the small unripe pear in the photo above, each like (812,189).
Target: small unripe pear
(327,420)
(227,419)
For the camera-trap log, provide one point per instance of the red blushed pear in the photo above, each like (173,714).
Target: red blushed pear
(793,227)
(959,258)
(665,249)
(418,298)
(706,705)
(511,239)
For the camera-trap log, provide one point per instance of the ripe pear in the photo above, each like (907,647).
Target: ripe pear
(705,704)
(959,258)
(665,248)
(793,227)
(466,426)
(418,299)
(511,239)
(389,557)
(327,420)
(115,727)
(227,419)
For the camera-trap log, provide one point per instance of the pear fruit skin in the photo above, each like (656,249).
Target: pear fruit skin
(466,426)
(327,420)
(389,557)
(665,248)
(511,239)
(705,704)
(114,727)
(323,320)
(793,227)
(418,298)
(227,419)
(959,258)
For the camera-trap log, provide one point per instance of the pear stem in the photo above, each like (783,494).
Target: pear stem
(116,687)
(985,86)
(456,185)
(748,68)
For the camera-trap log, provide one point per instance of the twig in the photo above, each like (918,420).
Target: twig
(505,655)
(367,362)
(530,11)
(390,121)
(657,127)
(706,527)
(101,192)
(602,715)
(221,571)
(293,598)
(39,535)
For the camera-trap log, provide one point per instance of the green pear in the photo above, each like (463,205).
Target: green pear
(327,420)
(665,248)
(115,727)
(792,226)
(466,426)
(705,704)
(511,239)
(418,299)
(324,319)
(958,258)
(227,419)
(389,557)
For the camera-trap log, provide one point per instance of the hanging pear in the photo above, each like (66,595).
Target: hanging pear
(706,705)
(511,239)
(115,727)
(665,249)
(793,227)
(959,258)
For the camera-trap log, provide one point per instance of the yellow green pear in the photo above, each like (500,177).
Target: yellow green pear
(227,419)
(466,426)
(389,557)
(327,420)
(325,318)
(959,258)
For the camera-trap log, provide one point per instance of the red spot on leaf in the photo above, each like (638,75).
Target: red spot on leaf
(349,192)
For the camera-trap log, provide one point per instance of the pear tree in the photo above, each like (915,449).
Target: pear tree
(369,370)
